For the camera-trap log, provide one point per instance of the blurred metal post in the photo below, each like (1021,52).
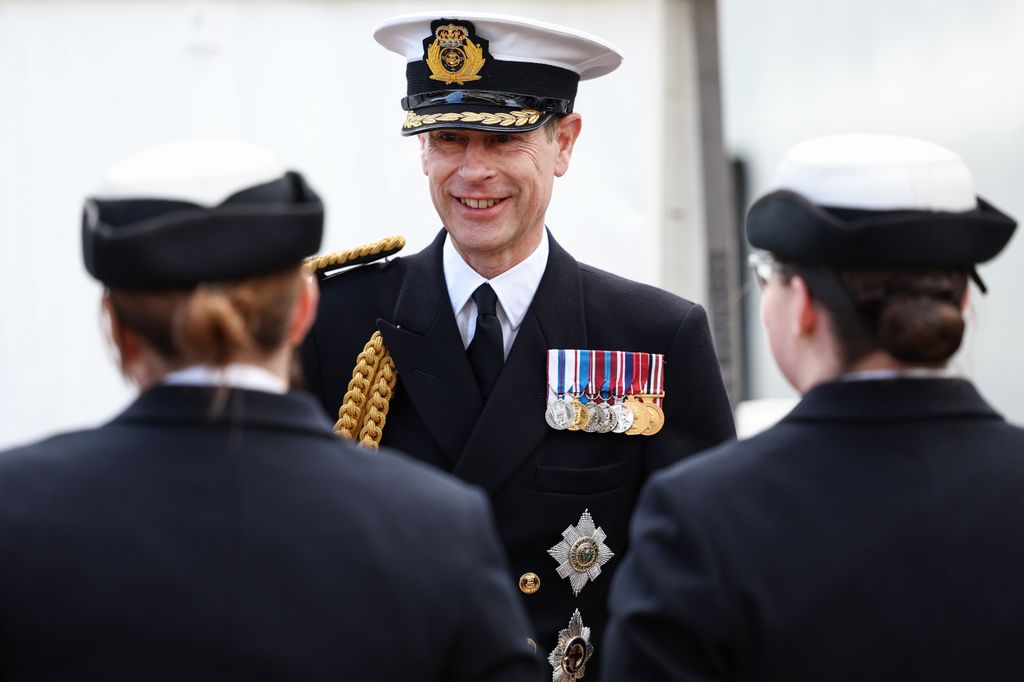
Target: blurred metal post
(701,255)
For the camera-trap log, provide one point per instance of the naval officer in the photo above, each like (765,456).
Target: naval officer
(217,529)
(875,533)
(554,386)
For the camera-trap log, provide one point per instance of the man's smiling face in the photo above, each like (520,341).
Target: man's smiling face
(492,188)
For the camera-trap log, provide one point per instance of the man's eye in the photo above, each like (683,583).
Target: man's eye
(448,137)
(502,139)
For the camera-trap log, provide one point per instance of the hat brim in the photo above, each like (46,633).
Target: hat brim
(153,244)
(797,230)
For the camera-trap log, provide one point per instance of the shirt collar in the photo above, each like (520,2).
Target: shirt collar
(909,373)
(515,287)
(235,375)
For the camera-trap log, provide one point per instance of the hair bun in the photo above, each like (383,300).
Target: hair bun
(920,328)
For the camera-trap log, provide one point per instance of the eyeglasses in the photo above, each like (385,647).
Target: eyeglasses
(762,265)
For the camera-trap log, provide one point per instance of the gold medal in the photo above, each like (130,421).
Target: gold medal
(578,412)
(641,417)
(657,419)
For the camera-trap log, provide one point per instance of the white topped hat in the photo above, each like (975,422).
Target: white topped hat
(877,173)
(876,201)
(178,214)
(202,171)
(487,71)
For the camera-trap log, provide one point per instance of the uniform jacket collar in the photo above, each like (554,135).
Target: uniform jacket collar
(294,411)
(485,444)
(892,400)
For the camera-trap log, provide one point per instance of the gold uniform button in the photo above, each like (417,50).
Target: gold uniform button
(529,583)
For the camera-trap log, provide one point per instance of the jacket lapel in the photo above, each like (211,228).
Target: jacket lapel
(512,425)
(432,365)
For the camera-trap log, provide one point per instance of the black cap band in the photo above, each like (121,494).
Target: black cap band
(486,98)
(145,244)
(797,230)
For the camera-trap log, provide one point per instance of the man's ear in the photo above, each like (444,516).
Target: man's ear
(806,317)
(305,310)
(423,152)
(567,131)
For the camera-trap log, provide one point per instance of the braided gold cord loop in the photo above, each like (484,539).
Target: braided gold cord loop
(378,404)
(337,259)
(350,414)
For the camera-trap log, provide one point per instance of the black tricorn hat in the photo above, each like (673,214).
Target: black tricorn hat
(490,71)
(173,216)
(876,201)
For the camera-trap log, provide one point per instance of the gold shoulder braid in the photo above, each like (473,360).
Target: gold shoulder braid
(364,409)
(367,253)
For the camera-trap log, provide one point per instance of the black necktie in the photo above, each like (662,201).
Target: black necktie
(487,350)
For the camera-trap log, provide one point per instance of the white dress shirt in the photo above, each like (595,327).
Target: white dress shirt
(235,375)
(514,287)
(910,373)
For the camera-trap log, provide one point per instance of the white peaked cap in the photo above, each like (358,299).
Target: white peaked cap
(877,173)
(202,171)
(511,39)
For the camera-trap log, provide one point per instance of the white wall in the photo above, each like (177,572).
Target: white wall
(949,71)
(85,82)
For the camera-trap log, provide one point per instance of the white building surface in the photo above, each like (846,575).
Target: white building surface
(88,81)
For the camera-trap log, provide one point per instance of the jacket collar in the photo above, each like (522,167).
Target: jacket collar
(294,411)
(892,400)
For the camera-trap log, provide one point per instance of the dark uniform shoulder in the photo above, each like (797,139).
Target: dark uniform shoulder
(605,283)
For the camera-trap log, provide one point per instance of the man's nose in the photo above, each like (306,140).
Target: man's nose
(478,162)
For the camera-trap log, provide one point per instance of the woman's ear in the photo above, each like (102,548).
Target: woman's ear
(305,310)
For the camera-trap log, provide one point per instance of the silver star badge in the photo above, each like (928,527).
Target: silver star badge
(581,553)
(569,658)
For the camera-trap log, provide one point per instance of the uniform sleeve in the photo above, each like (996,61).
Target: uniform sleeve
(492,628)
(670,619)
(697,411)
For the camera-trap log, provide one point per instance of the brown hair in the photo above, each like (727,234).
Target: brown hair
(912,314)
(215,323)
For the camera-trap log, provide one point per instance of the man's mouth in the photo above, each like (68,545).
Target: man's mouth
(479,203)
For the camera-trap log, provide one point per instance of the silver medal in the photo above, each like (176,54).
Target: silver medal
(593,417)
(607,422)
(559,415)
(624,417)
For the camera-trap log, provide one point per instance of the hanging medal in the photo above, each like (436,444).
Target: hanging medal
(608,422)
(590,390)
(641,418)
(654,394)
(622,371)
(580,368)
(559,413)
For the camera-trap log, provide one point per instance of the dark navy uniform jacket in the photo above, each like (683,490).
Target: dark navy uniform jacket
(876,533)
(540,480)
(170,544)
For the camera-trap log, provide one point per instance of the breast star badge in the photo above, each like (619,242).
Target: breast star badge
(581,553)
(569,657)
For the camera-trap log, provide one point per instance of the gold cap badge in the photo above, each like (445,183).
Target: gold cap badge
(452,57)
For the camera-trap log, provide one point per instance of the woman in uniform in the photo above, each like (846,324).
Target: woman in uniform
(876,532)
(217,528)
